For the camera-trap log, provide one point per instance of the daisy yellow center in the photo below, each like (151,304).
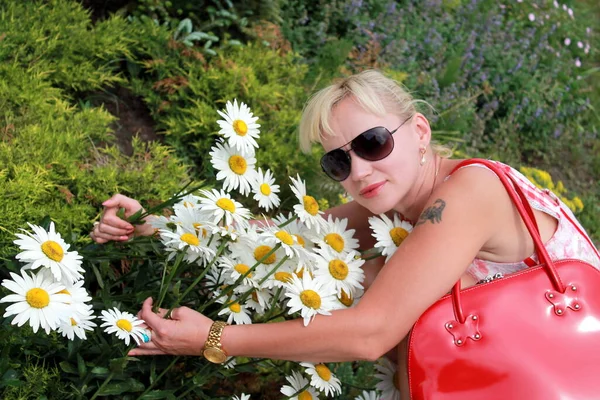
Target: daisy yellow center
(262,251)
(285,237)
(398,235)
(242,269)
(235,307)
(265,189)
(336,241)
(346,299)
(226,204)
(240,127)
(190,239)
(310,205)
(311,299)
(73,322)
(125,325)
(238,164)
(283,276)
(53,250)
(338,269)
(300,240)
(37,298)
(305,395)
(300,273)
(323,372)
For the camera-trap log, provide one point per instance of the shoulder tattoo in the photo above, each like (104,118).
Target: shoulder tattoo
(433,213)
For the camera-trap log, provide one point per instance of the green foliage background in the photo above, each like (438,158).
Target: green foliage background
(494,77)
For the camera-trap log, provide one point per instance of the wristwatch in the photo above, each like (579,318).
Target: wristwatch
(212,350)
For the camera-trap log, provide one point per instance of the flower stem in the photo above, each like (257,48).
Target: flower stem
(164,286)
(106,381)
(159,376)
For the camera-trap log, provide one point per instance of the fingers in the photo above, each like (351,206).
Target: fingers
(146,352)
(153,320)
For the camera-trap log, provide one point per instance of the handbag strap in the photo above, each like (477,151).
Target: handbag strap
(524,208)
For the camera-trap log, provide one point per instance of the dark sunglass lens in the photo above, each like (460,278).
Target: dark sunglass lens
(336,164)
(374,144)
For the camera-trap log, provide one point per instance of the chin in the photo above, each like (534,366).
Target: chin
(376,205)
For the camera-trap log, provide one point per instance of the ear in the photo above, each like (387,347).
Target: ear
(422,129)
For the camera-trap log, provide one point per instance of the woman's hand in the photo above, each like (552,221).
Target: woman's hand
(183,334)
(111,227)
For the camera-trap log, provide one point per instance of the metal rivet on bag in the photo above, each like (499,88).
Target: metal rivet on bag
(577,306)
(477,336)
(574,288)
(459,341)
(474,317)
(559,311)
(450,326)
(550,295)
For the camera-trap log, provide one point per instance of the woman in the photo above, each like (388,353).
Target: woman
(379,148)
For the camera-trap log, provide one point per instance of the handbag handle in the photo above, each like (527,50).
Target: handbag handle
(524,208)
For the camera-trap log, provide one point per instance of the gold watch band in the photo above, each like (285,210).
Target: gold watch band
(213,350)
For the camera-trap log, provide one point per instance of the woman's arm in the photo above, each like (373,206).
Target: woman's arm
(423,269)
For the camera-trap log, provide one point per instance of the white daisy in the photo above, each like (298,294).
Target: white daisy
(322,378)
(347,300)
(230,363)
(236,167)
(342,271)
(36,299)
(281,277)
(123,324)
(188,201)
(308,209)
(49,250)
(274,235)
(335,236)
(297,229)
(295,390)
(189,240)
(77,324)
(249,244)
(388,381)
(239,127)
(236,312)
(243,396)
(259,300)
(389,234)
(234,269)
(161,222)
(265,191)
(372,395)
(218,206)
(310,297)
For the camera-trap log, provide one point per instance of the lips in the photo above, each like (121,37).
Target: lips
(371,190)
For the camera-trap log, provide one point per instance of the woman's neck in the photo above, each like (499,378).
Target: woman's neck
(432,176)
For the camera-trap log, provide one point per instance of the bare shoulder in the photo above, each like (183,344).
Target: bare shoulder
(471,189)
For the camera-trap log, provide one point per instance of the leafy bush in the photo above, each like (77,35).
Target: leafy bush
(183,91)
(56,159)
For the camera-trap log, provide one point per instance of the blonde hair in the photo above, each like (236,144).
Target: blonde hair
(373,91)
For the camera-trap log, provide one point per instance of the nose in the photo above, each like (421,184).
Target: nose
(360,168)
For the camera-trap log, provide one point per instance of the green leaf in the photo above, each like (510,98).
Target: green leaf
(158,394)
(100,371)
(121,213)
(67,367)
(98,276)
(81,365)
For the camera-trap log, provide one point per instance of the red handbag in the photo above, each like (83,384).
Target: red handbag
(531,335)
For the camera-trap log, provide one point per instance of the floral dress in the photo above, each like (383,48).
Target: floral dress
(569,239)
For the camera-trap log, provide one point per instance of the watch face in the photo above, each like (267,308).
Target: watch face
(215,355)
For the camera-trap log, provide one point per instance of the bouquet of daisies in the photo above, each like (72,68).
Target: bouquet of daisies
(218,258)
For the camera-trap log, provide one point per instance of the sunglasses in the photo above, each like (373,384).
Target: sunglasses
(372,145)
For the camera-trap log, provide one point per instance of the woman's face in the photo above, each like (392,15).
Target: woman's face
(381,185)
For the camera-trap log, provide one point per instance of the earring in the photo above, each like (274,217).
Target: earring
(423,150)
